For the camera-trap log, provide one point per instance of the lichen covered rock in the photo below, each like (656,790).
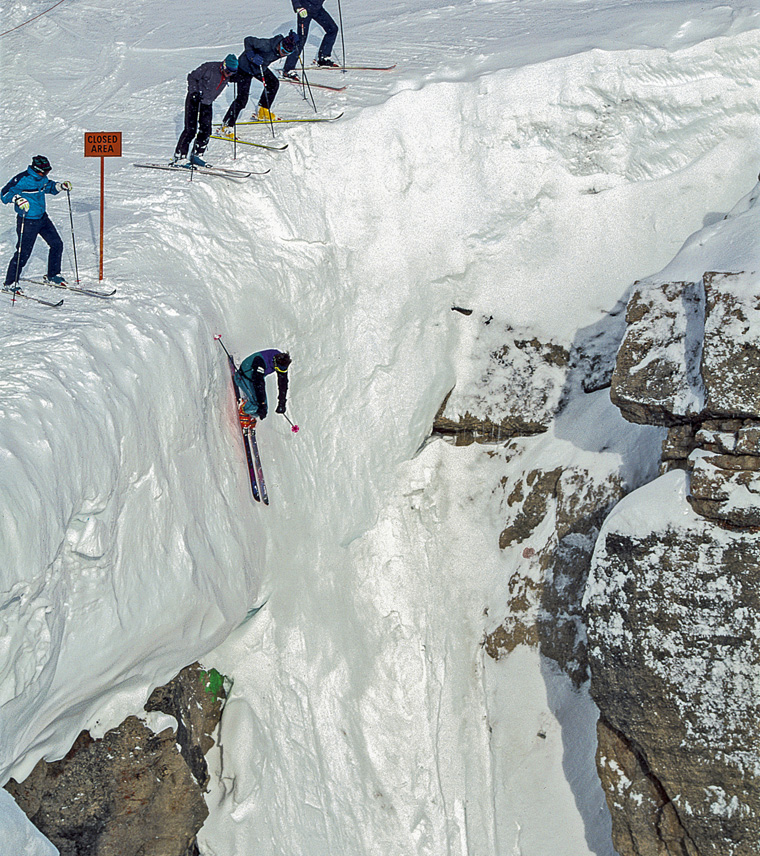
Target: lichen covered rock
(672,605)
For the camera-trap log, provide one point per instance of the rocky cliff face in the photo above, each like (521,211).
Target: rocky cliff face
(553,498)
(132,792)
(674,595)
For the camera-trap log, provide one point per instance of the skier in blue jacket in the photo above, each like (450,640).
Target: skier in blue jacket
(255,60)
(308,11)
(27,193)
(251,381)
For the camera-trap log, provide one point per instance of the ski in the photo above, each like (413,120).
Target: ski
(299,82)
(35,299)
(222,172)
(278,148)
(249,435)
(90,292)
(259,471)
(245,432)
(316,67)
(291,121)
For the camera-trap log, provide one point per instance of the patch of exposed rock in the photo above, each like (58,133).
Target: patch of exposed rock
(559,512)
(132,792)
(552,516)
(690,360)
(516,393)
(672,607)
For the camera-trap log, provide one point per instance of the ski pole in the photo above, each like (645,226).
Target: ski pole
(266,97)
(294,428)
(342,41)
(304,78)
(73,240)
(234,128)
(306,86)
(218,338)
(18,257)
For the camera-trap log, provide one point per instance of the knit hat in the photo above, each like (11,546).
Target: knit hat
(288,43)
(231,62)
(41,164)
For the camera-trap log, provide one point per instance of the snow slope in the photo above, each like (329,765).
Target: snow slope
(527,159)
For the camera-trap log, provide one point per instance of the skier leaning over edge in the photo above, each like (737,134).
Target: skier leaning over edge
(255,60)
(27,192)
(308,10)
(251,381)
(204,85)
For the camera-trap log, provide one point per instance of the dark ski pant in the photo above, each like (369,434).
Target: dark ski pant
(254,389)
(197,119)
(328,42)
(271,85)
(42,226)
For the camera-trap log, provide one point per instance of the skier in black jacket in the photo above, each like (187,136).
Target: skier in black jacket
(251,381)
(254,62)
(204,85)
(308,10)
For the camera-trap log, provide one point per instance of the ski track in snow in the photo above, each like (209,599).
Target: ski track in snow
(528,160)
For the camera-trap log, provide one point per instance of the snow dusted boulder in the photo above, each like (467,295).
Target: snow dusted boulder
(731,354)
(516,392)
(656,379)
(690,360)
(726,488)
(691,351)
(672,604)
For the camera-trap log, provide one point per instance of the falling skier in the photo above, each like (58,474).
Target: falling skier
(27,192)
(308,10)
(204,85)
(255,60)
(251,380)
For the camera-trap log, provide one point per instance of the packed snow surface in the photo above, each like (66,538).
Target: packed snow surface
(528,160)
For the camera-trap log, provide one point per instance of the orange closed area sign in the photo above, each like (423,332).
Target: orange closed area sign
(102,144)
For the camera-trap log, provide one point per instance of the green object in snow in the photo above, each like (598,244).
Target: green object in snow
(213,682)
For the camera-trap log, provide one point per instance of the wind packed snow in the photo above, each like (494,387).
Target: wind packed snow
(524,160)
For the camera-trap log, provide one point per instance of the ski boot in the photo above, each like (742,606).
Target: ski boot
(227,131)
(265,115)
(56,279)
(247,422)
(290,75)
(197,160)
(326,62)
(179,160)
(12,288)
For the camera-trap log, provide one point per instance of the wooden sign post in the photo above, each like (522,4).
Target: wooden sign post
(102,145)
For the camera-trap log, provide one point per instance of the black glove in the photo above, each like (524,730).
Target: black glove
(280,408)
(261,413)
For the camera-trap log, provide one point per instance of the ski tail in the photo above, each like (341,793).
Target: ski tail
(259,471)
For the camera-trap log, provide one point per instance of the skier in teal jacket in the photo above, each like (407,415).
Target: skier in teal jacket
(251,381)
(27,192)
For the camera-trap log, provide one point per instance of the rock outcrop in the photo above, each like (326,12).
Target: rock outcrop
(552,515)
(674,593)
(516,394)
(132,792)
(690,361)
(674,651)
